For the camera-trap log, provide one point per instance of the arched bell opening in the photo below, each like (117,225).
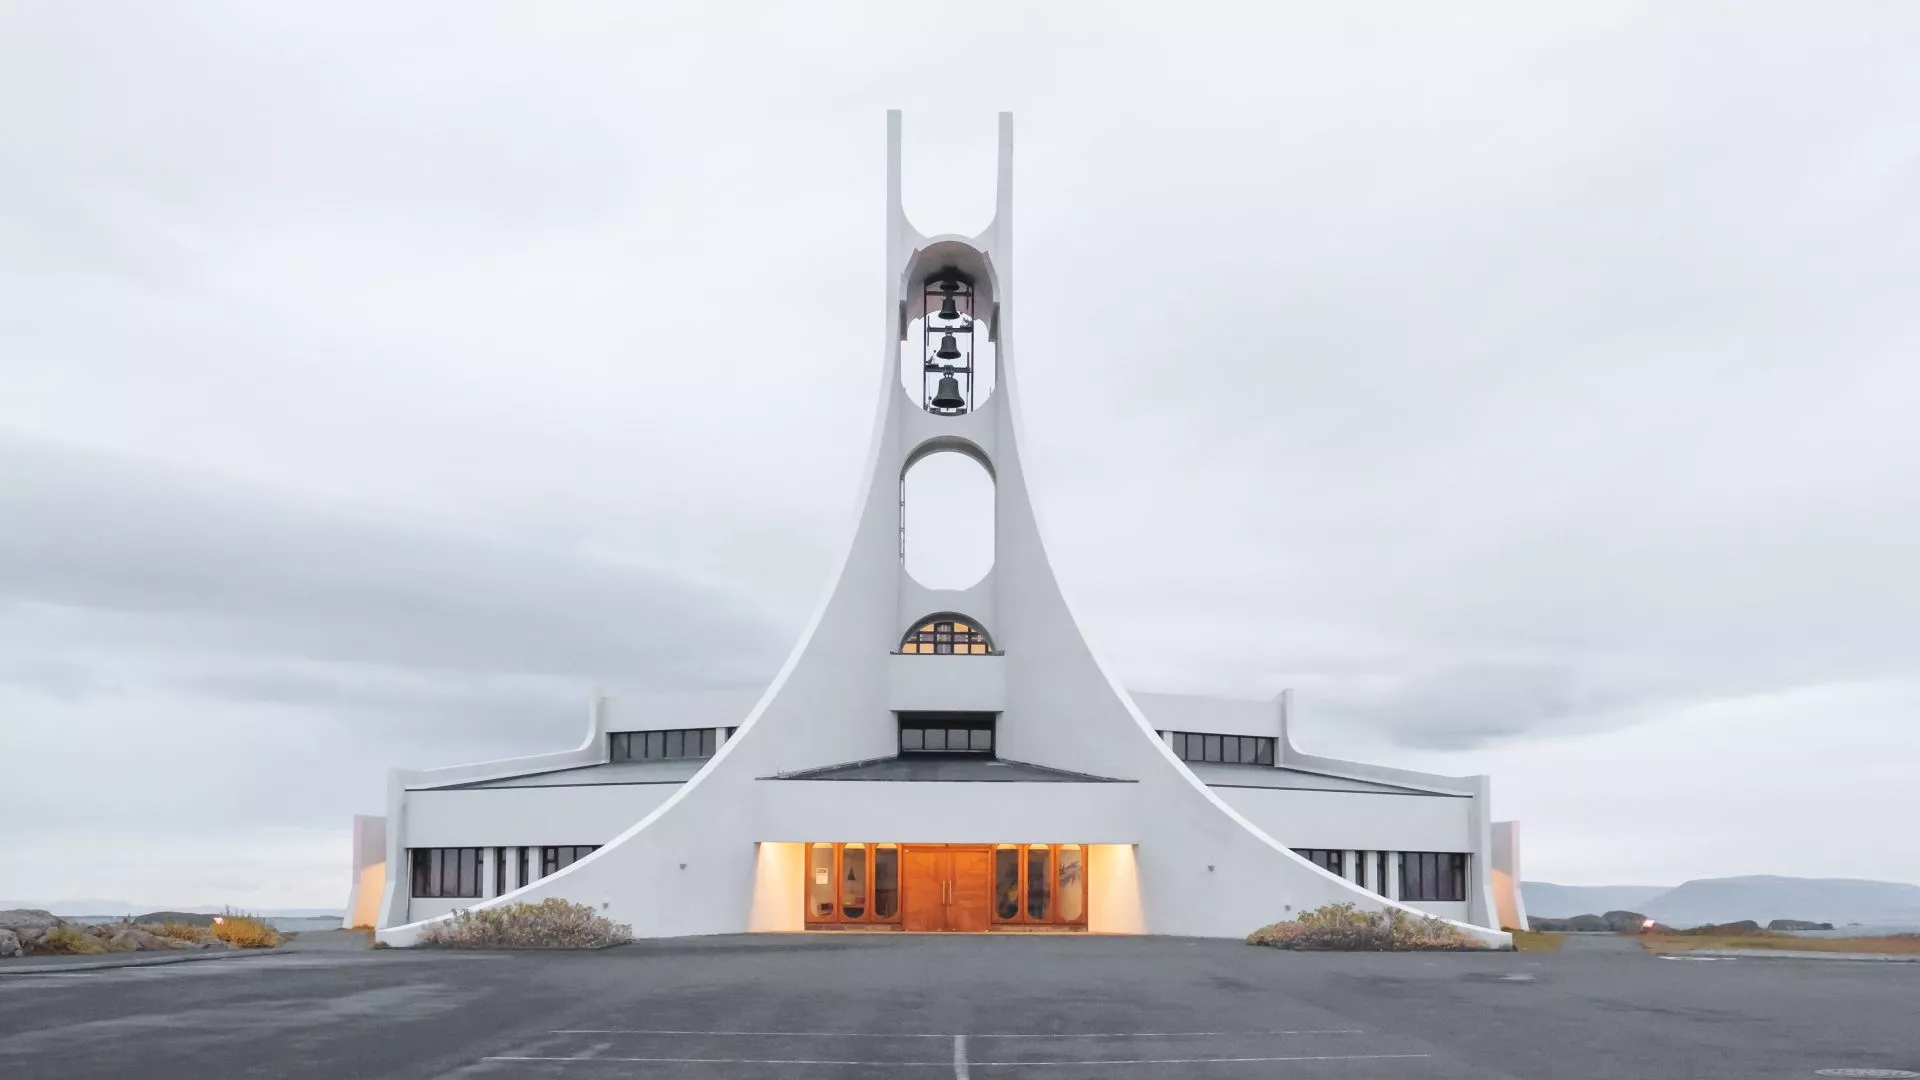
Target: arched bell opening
(947,633)
(947,357)
(947,508)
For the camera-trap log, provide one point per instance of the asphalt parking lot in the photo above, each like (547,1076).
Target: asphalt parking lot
(755,1008)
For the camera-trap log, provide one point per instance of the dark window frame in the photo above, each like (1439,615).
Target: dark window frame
(1332,860)
(1433,876)
(663,744)
(557,857)
(452,873)
(1213,748)
(959,734)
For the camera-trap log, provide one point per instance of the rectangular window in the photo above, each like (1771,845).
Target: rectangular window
(555,859)
(677,744)
(947,733)
(499,871)
(440,873)
(1332,860)
(1433,875)
(523,878)
(1225,749)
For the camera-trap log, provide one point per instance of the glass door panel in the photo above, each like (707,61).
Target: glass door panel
(1006,883)
(1073,886)
(1039,882)
(853,881)
(886,882)
(820,883)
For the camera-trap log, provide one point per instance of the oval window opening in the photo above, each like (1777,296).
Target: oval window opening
(947,521)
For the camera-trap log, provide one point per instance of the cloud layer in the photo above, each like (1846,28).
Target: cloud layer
(375,385)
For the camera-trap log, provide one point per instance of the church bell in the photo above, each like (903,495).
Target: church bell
(948,310)
(947,394)
(949,349)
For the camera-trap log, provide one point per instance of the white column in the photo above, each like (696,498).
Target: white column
(488,857)
(1393,875)
(1350,863)
(719,738)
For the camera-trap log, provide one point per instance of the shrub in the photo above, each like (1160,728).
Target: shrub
(549,924)
(177,931)
(246,931)
(1345,927)
(66,939)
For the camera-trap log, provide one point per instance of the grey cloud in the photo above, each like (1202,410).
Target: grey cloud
(229,567)
(1487,377)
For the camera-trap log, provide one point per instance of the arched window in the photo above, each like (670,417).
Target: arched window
(948,635)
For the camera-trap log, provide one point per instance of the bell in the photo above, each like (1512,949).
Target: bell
(947,310)
(947,394)
(949,349)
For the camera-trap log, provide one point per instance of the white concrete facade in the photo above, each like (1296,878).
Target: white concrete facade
(707,845)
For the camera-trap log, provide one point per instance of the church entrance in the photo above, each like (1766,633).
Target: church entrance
(946,888)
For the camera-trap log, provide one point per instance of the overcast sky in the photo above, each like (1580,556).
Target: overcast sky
(1533,390)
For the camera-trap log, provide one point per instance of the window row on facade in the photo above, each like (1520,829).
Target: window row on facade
(941,733)
(1226,749)
(1421,875)
(461,872)
(676,744)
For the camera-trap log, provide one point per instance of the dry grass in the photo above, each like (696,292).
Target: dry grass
(66,939)
(246,932)
(1537,941)
(549,924)
(1343,927)
(1903,944)
(197,935)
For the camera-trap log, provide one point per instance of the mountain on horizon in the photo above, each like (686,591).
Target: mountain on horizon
(1760,897)
(84,907)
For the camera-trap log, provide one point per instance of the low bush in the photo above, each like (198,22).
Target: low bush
(67,939)
(1347,928)
(549,924)
(246,931)
(178,931)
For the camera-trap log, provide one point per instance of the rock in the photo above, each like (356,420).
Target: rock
(18,919)
(1624,922)
(1798,924)
(10,944)
(134,939)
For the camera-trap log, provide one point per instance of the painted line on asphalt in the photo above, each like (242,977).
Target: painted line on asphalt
(948,1064)
(959,1057)
(975,1035)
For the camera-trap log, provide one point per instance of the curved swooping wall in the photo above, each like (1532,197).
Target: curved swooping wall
(1200,868)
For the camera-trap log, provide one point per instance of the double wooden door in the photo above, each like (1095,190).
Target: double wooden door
(947,889)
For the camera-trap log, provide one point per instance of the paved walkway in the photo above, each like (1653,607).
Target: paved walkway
(996,1007)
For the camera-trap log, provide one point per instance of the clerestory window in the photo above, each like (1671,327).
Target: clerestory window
(948,636)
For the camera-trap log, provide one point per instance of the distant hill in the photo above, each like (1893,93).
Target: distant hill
(1551,901)
(84,907)
(1719,900)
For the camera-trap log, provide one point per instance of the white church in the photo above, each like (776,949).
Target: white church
(937,760)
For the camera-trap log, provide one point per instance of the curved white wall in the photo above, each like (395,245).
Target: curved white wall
(690,865)
(1357,821)
(509,817)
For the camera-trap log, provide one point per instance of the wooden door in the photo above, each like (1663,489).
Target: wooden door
(970,904)
(923,881)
